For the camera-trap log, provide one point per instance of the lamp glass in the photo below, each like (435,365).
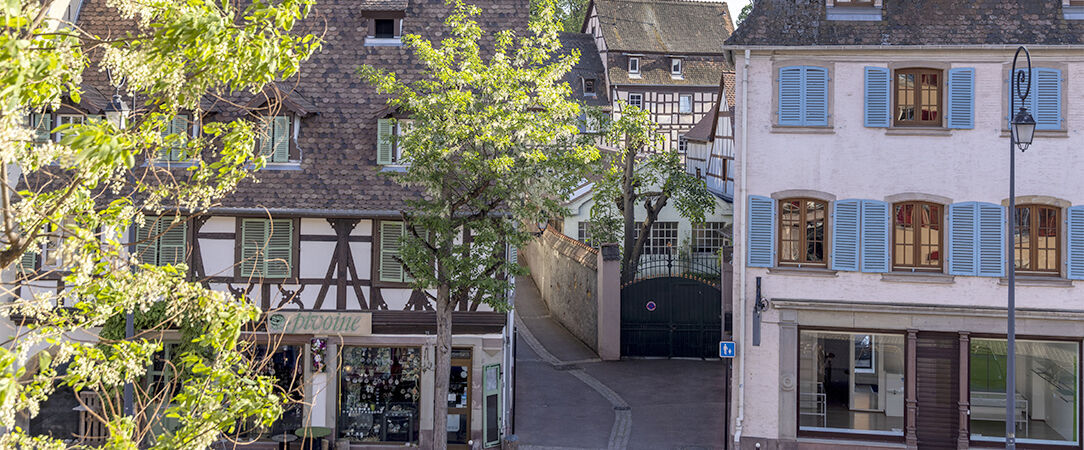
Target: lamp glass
(116,112)
(1023,127)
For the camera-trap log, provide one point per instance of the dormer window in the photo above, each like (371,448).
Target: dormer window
(589,87)
(182,128)
(384,29)
(675,67)
(634,65)
(275,138)
(389,145)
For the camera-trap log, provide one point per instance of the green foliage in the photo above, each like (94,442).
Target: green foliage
(569,13)
(82,193)
(745,10)
(490,147)
(641,172)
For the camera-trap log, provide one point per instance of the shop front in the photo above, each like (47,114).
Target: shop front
(375,390)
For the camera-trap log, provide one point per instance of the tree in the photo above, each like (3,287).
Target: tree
(570,13)
(489,148)
(745,10)
(641,172)
(76,197)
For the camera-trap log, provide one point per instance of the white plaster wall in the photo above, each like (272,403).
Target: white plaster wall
(218,256)
(853,161)
(580,211)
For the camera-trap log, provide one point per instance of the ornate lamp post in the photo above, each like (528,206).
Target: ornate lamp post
(1021,134)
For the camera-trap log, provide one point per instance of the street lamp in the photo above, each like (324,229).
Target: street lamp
(116,112)
(1021,133)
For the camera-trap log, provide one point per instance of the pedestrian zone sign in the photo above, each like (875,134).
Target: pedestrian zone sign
(726,349)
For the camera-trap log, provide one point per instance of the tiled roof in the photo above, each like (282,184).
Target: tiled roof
(912,22)
(664,26)
(656,71)
(588,67)
(338,170)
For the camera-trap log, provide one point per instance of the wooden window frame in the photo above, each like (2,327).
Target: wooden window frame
(692,106)
(1033,239)
(680,63)
(802,239)
(917,243)
(637,60)
(918,72)
(641,95)
(592,91)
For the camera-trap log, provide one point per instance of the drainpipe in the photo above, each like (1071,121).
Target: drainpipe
(741,271)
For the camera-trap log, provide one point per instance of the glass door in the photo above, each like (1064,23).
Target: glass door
(459,406)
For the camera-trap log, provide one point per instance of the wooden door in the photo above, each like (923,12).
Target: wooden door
(938,389)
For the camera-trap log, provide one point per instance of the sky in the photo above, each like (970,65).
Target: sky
(735,8)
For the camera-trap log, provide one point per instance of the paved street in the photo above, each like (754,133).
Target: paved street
(568,399)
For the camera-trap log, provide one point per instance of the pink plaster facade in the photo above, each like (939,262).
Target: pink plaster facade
(848,160)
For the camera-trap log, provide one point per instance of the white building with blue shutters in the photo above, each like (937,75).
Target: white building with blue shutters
(871,197)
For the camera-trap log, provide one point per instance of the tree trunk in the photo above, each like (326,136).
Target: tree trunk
(442,367)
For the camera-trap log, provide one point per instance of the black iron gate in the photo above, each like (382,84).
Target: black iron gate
(672,309)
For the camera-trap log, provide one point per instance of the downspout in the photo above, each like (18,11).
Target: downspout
(741,264)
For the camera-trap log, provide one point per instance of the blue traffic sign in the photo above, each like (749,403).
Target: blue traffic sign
(726,349)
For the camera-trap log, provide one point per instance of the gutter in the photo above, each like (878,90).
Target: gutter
(315,212)
(740,214)
(732,48)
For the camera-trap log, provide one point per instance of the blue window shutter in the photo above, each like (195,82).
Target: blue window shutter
(1046,89)
(761,246)
(846,215)
(961,98)
(791,92)
(878,93)
(962,239)
(815,83)
(875,236)
(991,233)
(1075,238)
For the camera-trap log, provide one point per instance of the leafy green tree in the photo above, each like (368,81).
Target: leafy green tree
(79,195)
(745,10)
(489,149)
(570,13)
(641,172)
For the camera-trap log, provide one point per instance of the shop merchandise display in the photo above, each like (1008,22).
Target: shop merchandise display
(379,394)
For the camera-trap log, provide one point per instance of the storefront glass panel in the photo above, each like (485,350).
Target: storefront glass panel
(459,381)
(379,392)
(851,382)
(1047,382)
(285,365)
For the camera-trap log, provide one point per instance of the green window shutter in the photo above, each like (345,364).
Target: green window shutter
(281,150)
(264,136)
(385,145)
(146,246)
(172,244)
(42,124)
(179,127)
(253,236)
(279,255)
(28,262)
(425,235)
(390,267)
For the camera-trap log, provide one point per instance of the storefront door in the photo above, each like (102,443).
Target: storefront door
(459,405)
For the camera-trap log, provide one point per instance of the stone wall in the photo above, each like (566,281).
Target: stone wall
(565,271)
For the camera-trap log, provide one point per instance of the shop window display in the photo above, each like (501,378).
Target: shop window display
(459,381)
(1047,381)
(379,392)
(851,382)
(285,365)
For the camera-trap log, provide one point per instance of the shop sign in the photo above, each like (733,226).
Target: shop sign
(321,323)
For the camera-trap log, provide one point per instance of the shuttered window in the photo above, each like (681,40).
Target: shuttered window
(801,232)
(161,241)
(761,244)
(1075,240)
(67,119)
(42,124)
(389,142)
(391,244)
(916,236)
(1044,99)
(961,98)
(918,97)
(176,135)
(27,263)
(875,236)
(803,96)
(976,240)
(877,97)
(1036,240)
(846,219)
(267,248)
(275,137)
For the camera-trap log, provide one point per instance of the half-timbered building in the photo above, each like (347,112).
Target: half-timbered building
(313,237)
(664,56)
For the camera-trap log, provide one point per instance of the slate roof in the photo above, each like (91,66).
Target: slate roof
(797,23)
(382,5)
(656,71)
(664,26)
(589,66)
(338,171)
